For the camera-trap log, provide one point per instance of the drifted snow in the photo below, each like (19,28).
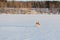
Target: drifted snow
(23,27)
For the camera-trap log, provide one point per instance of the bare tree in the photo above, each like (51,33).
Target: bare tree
(3,0)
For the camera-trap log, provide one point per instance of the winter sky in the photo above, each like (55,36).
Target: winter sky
(33,0)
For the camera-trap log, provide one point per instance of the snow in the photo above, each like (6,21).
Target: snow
(22,27)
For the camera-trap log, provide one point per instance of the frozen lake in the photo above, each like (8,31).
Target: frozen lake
(23,27)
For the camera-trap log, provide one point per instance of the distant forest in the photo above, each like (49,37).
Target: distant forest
(29,4)
(36,7)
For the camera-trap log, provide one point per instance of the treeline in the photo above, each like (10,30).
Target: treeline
(30,4)
(29,10)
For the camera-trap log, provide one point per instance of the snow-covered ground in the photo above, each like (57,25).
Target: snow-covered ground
(23,27)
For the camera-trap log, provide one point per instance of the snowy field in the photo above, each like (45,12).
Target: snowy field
(23,27)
